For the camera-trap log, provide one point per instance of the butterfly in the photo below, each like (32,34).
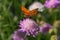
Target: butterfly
(28,13)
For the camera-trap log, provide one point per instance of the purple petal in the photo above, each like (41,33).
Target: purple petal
(19,35)
(45,28)
(51,3)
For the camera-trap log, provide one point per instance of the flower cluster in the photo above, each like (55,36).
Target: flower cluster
(28,26)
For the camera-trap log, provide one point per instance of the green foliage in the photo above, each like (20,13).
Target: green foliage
(9,9)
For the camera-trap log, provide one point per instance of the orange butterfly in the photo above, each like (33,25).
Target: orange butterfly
(28,13)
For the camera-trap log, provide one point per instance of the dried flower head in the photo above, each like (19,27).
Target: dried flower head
(53,37)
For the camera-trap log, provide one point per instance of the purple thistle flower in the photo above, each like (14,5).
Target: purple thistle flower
(19,35)
(45,28)
(52,3)
(29,26)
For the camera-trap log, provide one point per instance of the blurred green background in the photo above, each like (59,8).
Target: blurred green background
(11,14)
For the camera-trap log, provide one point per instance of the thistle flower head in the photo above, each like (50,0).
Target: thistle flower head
(29,26)
(51,3)
(45,28)
(19,35)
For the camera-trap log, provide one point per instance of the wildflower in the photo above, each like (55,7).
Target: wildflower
(29,26)
(19,35)
(45,28)
(56,26)
(51,30)
(38,5)
(52,3)
(53,37)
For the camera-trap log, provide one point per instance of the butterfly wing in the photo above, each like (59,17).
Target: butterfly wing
(33,12)
(27,12)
